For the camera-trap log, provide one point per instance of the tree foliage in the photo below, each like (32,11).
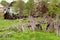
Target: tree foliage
(54,7)
(5,3)
(19,5)
(29,4)
(24,7)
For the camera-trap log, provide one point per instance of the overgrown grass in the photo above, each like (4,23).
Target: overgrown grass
(37,35)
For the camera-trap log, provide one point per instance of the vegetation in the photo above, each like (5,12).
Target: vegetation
(32,36)
(4,3)
(37,35)
(42,27)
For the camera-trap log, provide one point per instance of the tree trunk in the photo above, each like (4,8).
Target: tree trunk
(57,17)
(57,25)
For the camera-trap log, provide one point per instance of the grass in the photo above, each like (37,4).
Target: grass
(37,35)
(32,36)
(8,23)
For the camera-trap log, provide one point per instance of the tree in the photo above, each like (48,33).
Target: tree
(54,8)
(29,6)
(19,5)
(5,3)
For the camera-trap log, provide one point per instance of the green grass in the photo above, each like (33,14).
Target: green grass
(7,23)
(37,35)
(32,36)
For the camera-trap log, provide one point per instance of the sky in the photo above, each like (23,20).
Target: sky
(12,0)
